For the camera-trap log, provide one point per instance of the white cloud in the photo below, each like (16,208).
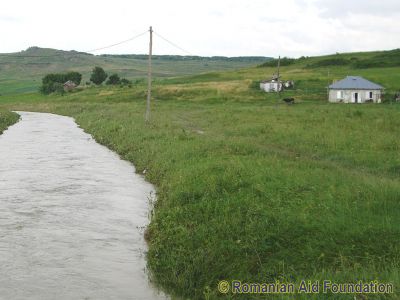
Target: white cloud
(341,8)
(219,27)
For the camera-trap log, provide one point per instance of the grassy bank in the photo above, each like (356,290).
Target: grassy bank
(7,118)
(252,189)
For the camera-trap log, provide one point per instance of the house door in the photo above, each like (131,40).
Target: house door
(355,97)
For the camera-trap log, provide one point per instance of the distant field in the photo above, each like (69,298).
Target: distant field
(23,71)
(250,188)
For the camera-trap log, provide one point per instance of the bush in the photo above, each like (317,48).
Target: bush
(139,81)
(330,62)
(254,85)
(389,97)
(98,76)
(285,61)
(52,87)
(75,77)
(58,88)
(54,82)
(125,81)
(113,80)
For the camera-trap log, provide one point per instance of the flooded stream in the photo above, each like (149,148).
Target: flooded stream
(72,216)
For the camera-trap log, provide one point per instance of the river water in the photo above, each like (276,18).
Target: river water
(72,216)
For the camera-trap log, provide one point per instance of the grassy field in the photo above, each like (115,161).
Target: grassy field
(23,71)
(250,188)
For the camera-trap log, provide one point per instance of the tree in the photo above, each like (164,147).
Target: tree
(54,82)
(75,77)
(98,76)
(52,87)
(125,81)
(113,79)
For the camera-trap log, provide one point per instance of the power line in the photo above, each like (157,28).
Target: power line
(97,49)
(75,54)
(173,44)
(117,44)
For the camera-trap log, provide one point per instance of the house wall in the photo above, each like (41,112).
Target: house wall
(271,86)
(348,96)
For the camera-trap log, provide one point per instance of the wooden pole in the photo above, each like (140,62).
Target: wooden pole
(149,76)
(279,80)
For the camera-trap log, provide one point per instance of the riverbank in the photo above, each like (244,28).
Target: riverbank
(7,119)
(252,189)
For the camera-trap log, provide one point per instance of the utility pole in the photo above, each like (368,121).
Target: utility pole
(279,80)
(149,76)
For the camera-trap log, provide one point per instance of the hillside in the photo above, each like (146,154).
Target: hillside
(250,188)
(22,71)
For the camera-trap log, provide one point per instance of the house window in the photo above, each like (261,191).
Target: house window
(370,95)
(339,95)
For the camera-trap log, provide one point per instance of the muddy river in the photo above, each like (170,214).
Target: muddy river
(72,216)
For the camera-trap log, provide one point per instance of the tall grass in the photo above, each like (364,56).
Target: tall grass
(7,118)
(252,189)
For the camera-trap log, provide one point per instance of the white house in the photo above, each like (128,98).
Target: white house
(271,85)
(355,89)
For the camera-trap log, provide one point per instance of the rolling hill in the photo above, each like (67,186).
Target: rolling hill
(22,72)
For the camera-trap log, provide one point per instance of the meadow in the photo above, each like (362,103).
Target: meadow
(252,189)
(22,72)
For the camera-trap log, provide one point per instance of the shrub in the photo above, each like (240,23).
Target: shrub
(330,62)
(285,61)
(52,87)
(98,76)
(254,85)
(54,82)
(125,81)
(75,77)
(113,80)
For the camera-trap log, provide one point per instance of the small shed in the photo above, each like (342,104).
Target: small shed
(355,89)
(275,84)
(271,85)
(69,86)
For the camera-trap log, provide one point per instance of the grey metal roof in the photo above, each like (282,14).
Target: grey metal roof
(356,83)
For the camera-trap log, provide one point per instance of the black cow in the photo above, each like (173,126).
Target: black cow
(289,100)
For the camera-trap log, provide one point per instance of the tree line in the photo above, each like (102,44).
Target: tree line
(250,59)
(55,82)
(383,59)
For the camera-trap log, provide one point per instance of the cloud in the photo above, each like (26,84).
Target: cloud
(223,27)
(342,8)
(9,19)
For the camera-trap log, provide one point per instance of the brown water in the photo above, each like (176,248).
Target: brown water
(72,216)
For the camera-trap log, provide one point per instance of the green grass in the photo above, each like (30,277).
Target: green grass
(250,188)
(7,118)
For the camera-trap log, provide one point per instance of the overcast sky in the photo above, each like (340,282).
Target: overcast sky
(209,27)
